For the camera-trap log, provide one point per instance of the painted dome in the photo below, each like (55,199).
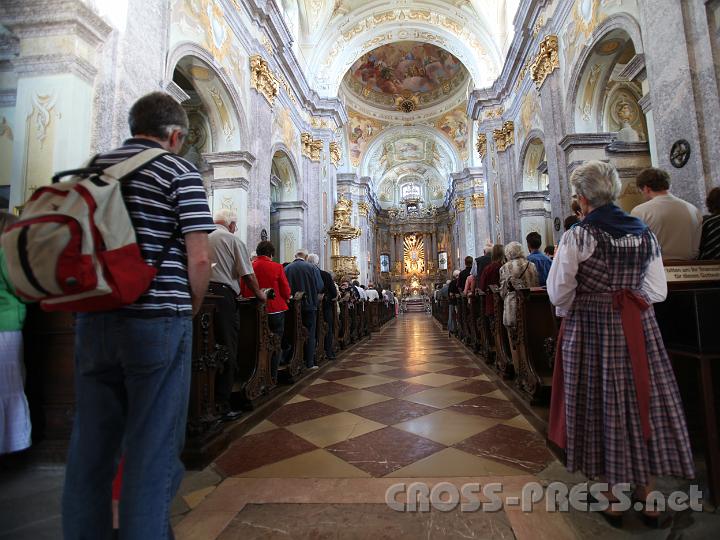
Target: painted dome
(406,75)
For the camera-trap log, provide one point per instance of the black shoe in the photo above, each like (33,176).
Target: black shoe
(614,520)
(230,415)
(662,520)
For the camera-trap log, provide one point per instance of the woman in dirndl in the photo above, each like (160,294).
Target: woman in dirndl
(615,407)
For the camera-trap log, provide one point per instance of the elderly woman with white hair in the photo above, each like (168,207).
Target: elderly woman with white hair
(516,273)
(615,406)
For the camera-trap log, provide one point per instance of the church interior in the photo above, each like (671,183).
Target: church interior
(393,139)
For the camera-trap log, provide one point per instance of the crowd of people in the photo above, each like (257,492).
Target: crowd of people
(616,408)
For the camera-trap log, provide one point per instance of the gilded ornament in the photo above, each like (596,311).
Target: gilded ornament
(505,137)
(363,209)
(546,61)
(460,204)
(310,148)
(478,200)
(262,79)
(335,153)
(414,254)
(481,145)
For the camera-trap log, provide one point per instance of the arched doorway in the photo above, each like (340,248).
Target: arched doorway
(533,199)
(214,135)
(286,212)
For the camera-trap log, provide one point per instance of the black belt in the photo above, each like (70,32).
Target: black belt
(223,285)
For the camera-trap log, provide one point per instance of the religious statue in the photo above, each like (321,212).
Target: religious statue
(341,230)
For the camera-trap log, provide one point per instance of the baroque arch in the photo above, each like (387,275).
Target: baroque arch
(619,24)
(285,173)
(218,94)
(532,159)
(426,21)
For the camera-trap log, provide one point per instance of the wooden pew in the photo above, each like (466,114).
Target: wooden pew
(536,328)
(689,320)
(444,312)
(503,355)
(345,322)
(376,317)
(203,424)
(337,330)
(476,314)
(321,329)
(49,343)
(294,337)
(256,348)
(486,339)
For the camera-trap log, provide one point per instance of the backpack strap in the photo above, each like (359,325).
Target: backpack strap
(131,165)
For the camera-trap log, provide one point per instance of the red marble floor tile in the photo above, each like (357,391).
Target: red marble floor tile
(393,411)
(462,371)
(475,387)
(384,451)
(340,374)
(253,451)
(398,389)
(404,372)
(487,407)
(299,412)
(324,389)
(352,364)
(509,445)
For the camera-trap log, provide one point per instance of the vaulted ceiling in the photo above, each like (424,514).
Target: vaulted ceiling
(404,69)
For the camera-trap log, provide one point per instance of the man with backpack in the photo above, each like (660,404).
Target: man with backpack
(132,364)
(305,277)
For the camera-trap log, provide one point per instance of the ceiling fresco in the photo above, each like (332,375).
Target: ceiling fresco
(422,71)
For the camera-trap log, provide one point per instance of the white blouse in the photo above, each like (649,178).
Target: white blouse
(562,282)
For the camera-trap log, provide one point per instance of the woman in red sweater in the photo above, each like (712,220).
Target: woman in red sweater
(271,275)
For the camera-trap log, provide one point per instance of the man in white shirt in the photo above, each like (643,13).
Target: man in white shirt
(676,223)
(372,294)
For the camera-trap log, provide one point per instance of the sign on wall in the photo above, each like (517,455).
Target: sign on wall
(384,263)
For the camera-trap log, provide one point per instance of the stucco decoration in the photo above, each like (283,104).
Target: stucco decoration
(455,125)
(361,131)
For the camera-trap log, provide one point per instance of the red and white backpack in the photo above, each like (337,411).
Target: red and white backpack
(74,248)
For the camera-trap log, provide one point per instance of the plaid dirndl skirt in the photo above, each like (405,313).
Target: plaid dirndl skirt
(604,433)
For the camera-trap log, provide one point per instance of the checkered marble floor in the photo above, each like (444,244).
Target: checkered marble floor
(408,403)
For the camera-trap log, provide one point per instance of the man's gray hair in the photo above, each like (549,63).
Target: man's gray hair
(456,273)
(301,253)
(313,259)
(597,181)
(157,114)
(225,216)
(514,250)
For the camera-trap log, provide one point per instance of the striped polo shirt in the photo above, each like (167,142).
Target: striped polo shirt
(166,195)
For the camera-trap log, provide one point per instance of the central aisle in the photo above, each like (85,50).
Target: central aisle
(409,403)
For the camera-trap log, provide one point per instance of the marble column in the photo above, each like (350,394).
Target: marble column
(259,194)
(552,113)
(683,92)
(506,180)
(51,110)
(229,187)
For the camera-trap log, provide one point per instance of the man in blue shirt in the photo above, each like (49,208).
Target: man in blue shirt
(305,277)
(542,262)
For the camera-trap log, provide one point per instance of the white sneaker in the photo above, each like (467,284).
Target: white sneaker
(314,367)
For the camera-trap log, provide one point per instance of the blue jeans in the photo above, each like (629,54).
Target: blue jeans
(309,320)
(132,383)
